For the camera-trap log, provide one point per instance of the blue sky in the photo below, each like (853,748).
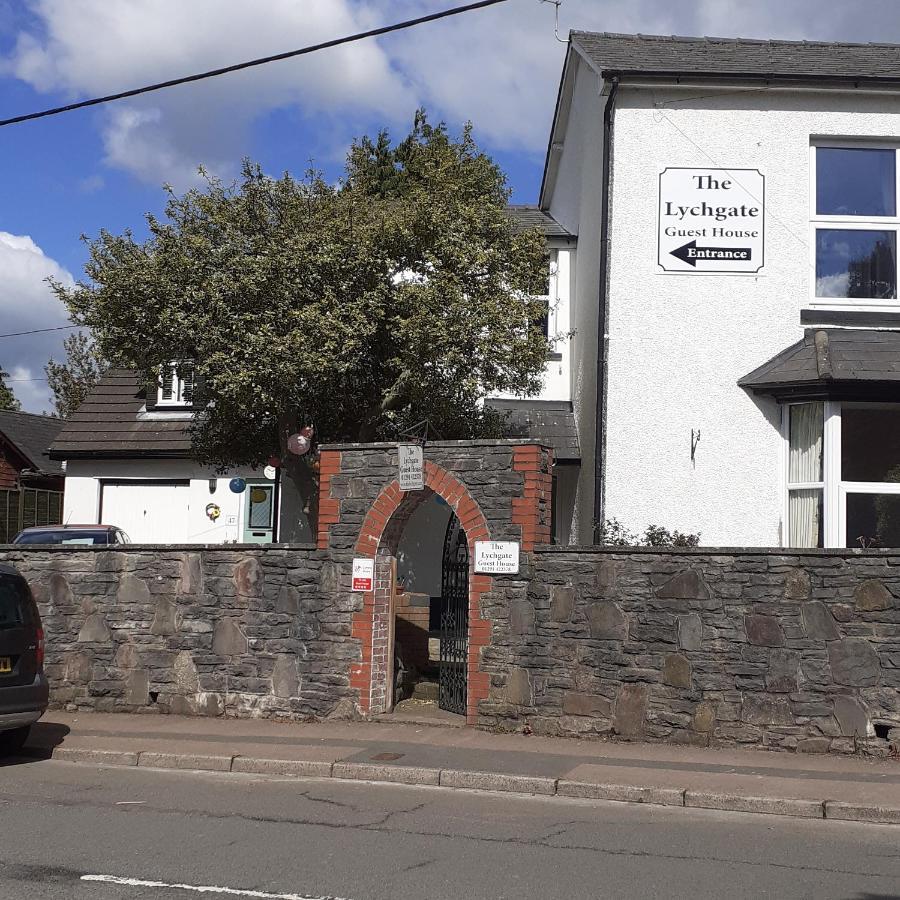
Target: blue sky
(102,168)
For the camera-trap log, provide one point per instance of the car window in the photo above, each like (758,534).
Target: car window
(63,537)
(15,604)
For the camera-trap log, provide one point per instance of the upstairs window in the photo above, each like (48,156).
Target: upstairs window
(855,224)
(176,385)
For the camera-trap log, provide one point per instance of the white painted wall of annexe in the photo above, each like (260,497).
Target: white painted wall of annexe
(679,343)
(163,513)
(575,204)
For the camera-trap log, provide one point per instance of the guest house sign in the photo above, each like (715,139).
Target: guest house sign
(711,221)
(497,557)
(411,467)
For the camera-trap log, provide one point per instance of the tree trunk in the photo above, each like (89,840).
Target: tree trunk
(299,470)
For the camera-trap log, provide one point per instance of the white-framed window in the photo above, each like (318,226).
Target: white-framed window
(854,224)
(176,385)
(843,474)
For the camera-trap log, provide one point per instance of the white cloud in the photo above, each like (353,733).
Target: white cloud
(27,303)
(498,67)
(90,47)
(30,389)
(833,285)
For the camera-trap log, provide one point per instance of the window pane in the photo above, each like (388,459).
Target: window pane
(806,425)
(873,520)
(870,444)
(855,182)
(805,518)
(261,507)
(856,263)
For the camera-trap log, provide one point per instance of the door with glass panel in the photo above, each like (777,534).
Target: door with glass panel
(259,513)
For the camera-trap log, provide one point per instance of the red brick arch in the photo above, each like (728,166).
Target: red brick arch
(379,538)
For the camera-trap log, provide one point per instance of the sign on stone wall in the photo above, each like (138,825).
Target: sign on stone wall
(497,557)
(711,221)
(363,574)
(411,466)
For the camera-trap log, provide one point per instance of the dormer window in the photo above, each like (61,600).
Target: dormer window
(176,386)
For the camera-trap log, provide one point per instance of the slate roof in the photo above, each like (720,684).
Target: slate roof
(527,216)
(32,436)
(549,421)
(828,357)
(801,60)
(111,423)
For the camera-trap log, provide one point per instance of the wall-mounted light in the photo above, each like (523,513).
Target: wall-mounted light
(213,483)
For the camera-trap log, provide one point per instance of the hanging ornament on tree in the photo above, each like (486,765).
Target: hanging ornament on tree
(300,443)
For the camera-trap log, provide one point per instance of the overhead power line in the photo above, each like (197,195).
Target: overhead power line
(39,331)
(212,73)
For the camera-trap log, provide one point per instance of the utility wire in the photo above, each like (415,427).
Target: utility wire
(212,73)
(39,331)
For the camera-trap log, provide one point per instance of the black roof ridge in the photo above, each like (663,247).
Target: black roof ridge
(22,412)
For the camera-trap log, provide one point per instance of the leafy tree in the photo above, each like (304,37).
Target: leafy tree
(7,397)
(72,380)
(401,293)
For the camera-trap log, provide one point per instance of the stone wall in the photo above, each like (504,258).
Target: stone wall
(760,648)
(750,647)
(259,631)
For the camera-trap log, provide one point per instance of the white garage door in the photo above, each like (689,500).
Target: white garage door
(148,513)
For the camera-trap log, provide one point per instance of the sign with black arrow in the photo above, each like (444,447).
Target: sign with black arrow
(711,221)
(692,254)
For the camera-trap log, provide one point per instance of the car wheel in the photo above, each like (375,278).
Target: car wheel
(13,741)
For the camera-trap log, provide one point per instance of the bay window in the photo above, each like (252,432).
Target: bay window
(843,474)
(854,224)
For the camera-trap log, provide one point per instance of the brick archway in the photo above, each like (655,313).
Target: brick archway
(379,537)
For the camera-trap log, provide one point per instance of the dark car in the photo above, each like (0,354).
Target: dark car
(72,534)
(24,692)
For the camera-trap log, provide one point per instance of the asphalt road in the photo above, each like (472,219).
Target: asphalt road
(66,827)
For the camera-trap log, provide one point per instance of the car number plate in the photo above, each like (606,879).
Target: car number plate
(5,665)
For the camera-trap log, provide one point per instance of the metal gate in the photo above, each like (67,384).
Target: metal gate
(454,619)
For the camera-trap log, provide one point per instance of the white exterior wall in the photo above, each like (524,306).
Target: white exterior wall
(679,343)
(187,508)
(575,204)
(557,378)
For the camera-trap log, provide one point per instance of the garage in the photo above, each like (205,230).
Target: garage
(149,512)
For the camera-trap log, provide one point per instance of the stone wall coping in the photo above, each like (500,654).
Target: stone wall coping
(392,445)
(847,552)
(150,548)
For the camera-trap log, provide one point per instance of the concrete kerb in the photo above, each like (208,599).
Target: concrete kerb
(487,781)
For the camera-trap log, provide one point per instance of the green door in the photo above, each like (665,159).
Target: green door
(259,512)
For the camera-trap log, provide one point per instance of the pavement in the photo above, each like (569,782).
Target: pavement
(851,789)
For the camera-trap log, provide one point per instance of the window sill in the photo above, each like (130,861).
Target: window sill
(843,305)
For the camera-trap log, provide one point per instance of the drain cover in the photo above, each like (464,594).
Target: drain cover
(386,757)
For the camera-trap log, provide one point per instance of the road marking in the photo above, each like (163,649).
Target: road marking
(202,888)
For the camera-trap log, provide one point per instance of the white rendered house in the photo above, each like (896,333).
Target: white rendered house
(128,463)
(735,358)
